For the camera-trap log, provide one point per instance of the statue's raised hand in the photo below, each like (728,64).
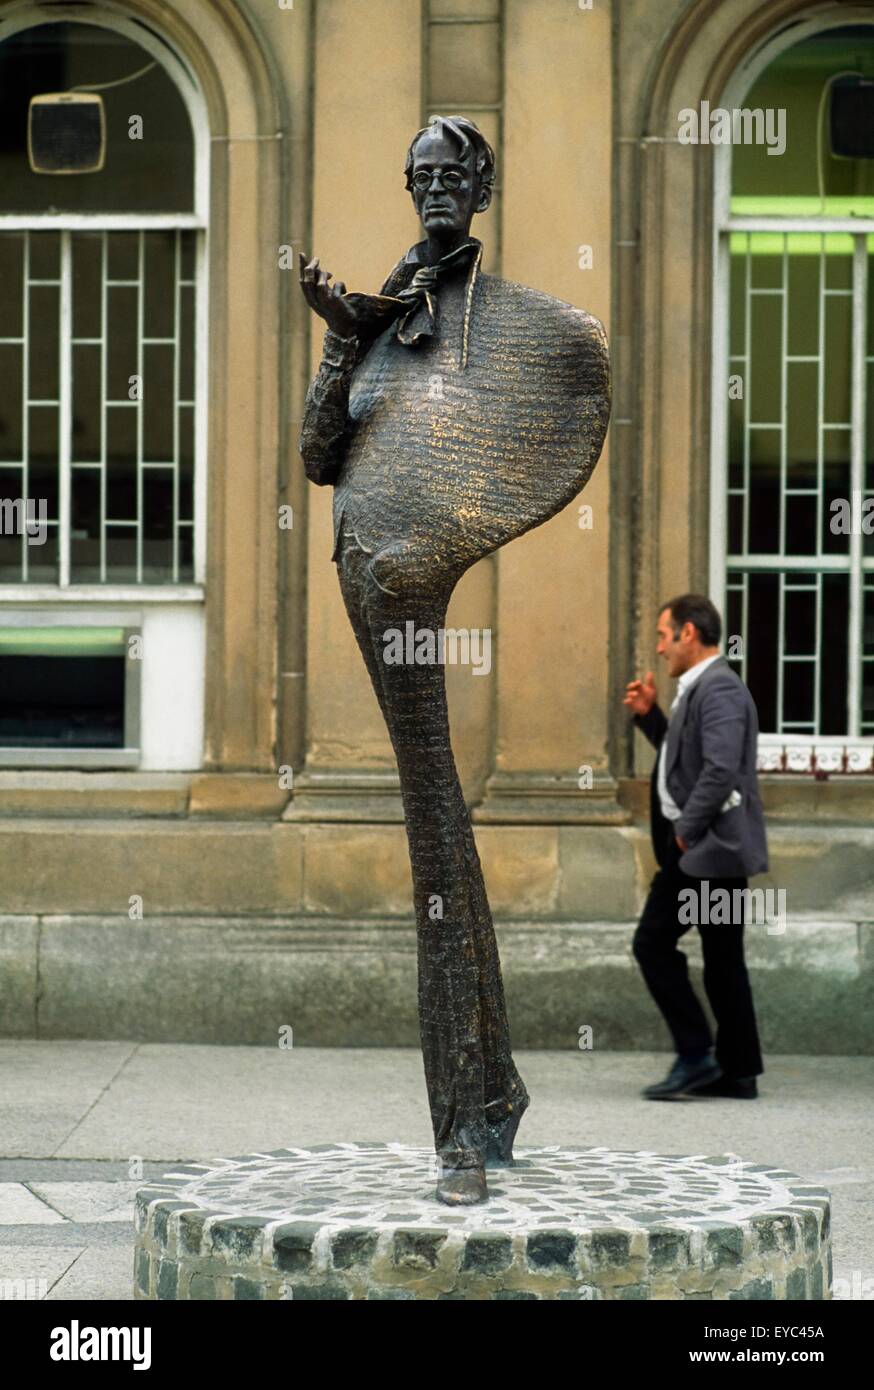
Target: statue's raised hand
(348,315)
(326,299)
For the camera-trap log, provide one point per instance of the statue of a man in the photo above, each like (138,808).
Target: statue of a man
(451,412)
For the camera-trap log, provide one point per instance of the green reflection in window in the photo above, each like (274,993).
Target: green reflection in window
(62,641)
(811,183)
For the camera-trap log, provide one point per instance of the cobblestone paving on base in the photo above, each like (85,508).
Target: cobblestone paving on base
(361,1221)
(387,1184)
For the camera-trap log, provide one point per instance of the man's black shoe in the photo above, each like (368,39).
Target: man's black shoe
(729,1087)
(682,1077)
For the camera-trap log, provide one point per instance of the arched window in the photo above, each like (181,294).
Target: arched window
(101,400)
(792,551)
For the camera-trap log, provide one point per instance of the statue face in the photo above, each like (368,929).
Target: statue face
(450,191)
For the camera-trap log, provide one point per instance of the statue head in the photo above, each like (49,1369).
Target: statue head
(450,170)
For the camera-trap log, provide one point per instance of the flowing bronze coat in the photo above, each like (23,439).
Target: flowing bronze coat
(478,413)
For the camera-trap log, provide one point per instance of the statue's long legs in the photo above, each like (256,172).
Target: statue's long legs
(473,1085)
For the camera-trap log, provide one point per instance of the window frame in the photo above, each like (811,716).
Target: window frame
(129,755)
(198,221)
(852,753)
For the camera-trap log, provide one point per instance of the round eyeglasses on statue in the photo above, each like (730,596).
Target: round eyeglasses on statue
(450,179)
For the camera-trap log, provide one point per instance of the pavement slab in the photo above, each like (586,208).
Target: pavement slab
(21,1207)
(92,1122)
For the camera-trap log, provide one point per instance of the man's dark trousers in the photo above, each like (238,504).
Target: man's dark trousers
(666,973)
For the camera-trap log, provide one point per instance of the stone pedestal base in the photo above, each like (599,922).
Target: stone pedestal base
(322,795)
(530,798)
(360,1221)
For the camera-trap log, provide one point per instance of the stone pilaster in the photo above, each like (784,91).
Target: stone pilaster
(553,617)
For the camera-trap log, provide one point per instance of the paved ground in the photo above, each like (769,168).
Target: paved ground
(83,1124)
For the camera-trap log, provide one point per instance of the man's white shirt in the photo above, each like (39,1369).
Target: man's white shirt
(670,809)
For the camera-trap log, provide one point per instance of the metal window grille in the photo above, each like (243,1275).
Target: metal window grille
(798,443)
(98,411)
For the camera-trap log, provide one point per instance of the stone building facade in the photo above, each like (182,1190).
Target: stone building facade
(235,860)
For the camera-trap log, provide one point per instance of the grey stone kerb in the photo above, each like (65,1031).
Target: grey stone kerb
(360,1221)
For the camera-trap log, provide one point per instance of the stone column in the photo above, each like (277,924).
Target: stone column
(366,107)
(243,410)
(553,610)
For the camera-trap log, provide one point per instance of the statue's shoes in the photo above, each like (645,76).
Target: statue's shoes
(462,1187)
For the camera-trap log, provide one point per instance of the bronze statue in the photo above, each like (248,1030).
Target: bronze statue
(451,412)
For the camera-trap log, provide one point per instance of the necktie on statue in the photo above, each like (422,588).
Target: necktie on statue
(420,318)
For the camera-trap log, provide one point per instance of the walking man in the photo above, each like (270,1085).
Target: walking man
(708,833)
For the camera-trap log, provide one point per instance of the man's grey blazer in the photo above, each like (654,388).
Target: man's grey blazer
(711,752)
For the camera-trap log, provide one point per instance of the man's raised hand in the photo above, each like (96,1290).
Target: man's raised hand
(640,696)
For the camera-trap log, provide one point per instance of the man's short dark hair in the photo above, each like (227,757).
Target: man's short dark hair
(473,145)
(698,610)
